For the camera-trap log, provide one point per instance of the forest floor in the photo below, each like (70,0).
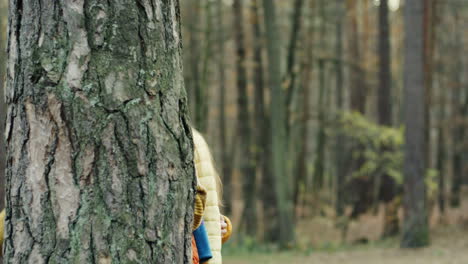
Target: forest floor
(320,242)
(449,246)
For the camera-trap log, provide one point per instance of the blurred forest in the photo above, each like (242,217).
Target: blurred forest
(329,126)
(333,72)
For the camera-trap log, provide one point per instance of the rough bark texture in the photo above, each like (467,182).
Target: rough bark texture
(415,226)
(282,183)
(99,160)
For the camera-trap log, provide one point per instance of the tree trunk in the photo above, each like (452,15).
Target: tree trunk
(385,76)
(319,163)
(262,149)
(441,157)
(202,93)
(225,162)
(340,141)
(301,172)
(291,71)
(278,128)
(192,73)
(388,187)
(3,25)
(261,132)
(357,90)
(415,227)
(243,125)
(458,104)
(100,159)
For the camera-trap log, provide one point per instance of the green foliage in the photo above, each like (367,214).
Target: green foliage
(379,147)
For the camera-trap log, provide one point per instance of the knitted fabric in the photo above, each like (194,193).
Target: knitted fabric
(199,207)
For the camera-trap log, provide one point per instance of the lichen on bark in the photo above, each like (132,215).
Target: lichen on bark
(99,161)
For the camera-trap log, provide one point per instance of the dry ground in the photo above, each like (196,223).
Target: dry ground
(449,246)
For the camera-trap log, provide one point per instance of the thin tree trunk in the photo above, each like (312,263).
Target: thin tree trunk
(193,72)
(458,126)
(100,157)
(388,187)
(357,90)
(243,125)
(441,157)
(225,163)
(202,93)
(340,141)
(319,164)
(261,159)
(291,71)
(301,172)
(262,119)
(429,40)
(415,227)
(278,128)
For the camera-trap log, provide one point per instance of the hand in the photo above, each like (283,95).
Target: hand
(223,226)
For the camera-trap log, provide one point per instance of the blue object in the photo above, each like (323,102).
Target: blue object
(203,245)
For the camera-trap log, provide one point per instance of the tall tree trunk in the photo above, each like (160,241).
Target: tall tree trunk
(340,141)
(225,162)
(429,40)
(385,76)
(243,124)
(291,70)
(278,128)
(100,159)
(301,171)
(262,140)
(415,227)
(319,163)
(193,78)
(388,188)
(458,104)
(441,157)
(358,93)
(202,93)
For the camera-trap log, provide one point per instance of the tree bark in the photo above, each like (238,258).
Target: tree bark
(278,128)
(415,226)
(100,157)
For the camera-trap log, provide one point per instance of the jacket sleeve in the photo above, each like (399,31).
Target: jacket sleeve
(199,207)
(229,229)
